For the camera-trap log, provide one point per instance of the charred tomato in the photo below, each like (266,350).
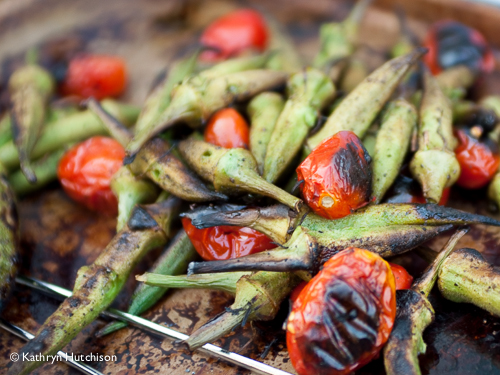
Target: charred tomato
(452,43)
(226,242)
(401,276)
(408,190)
(336,177)
(343,316)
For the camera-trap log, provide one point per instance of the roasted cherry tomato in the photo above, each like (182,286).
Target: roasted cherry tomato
(343,316)
(296,291)
(408,190)
(451,43)
(234,33)
(226,242)
(478,162)
(97,76)
(86,169)
(402,277)
(336,177)
(227,128)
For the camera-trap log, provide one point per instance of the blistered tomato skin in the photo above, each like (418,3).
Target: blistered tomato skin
(478,163)
(228,129)
(226,242)
(402,277)
(95,76)
(343,316)
(232,34)
(336,176)
(451,43)
(85,173)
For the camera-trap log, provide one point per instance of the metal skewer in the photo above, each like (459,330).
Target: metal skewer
(25,335)
(210,349)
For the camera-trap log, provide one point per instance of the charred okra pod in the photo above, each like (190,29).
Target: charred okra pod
(45,170)
(467,277)
(30,88)
(97,285)
(337,39)
(257,297)
(9,238)
(391,146)
(414,314)
(308,92)
(434,165)
(357,111)
(264,111)
(278,223)
(73,128)
(156,162)
(196,98)
(232,171)
(173,261)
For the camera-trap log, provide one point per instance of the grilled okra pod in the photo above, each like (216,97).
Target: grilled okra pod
(30,88)
(355,72)
(258,297)
(173,261)
(414,313)
(232,171)
(285,56)
(264,111)
(97,285)
(308,92)
(434,165)
(357,111)
(9,237)
(337,39)
(391,146)
(69,129)
(467,277)
(198,97)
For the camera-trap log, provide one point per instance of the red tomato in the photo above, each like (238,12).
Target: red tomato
(478,163)
(402,277)
(86,169)
(227,128)
(97,76)
(226,242)
(234,33)
(407,190)
(343,316)
(337,176)
(296,291)
(451,43)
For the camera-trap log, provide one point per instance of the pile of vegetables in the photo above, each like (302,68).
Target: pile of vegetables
(286,185)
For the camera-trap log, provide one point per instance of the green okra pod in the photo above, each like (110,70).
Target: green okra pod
(45,169)
(434,165)
(258,297)
(467,277)
(98,284)
(337,39)
(198,97)
(308,92)
(414,314)
(264,111)
(224,281)
(9,238)
(173,261)
(30,89)
(455,81)
(308,250)
(360,107)
(355,72)
(156,162)
(232,171)
(69,129)
(391,146)
(285,57)
(278,222)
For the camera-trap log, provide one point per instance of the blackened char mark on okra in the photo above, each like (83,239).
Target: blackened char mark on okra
(98,284)
(414,314)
